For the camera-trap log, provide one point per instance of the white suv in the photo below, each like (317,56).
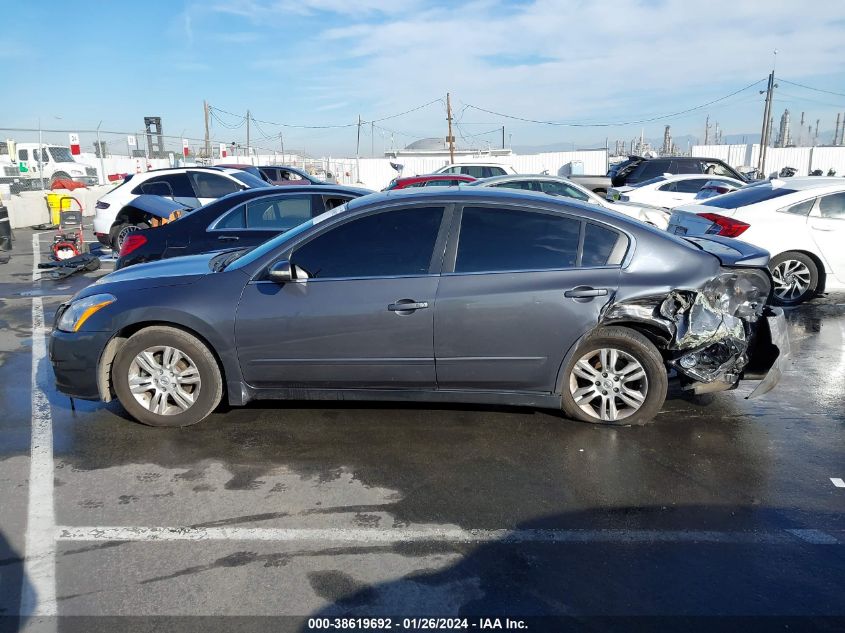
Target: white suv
(477,170)
(191,186)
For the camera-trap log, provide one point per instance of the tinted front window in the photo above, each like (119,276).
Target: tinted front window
(253,182)
(650,169)
(693,185)
(745,197)
(562,189)
(505,239)
(833,206)
(279,214)
(380,245)
(603,246)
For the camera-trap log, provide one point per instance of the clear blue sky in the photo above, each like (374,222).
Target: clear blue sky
(318,62)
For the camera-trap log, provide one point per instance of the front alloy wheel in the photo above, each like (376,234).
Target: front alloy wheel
(164,376)
(164,380)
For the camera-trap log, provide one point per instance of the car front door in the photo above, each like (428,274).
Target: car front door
(827,227)
(360,312)
(517,292)
(257,220)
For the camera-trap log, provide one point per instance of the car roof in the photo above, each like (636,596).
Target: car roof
(801,183)
(481,164)
(437,177)
(516,177)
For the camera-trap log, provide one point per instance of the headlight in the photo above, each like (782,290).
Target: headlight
(80,310)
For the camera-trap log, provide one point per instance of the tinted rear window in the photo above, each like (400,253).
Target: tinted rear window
(747,196)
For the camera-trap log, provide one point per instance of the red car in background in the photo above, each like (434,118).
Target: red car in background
(431,180)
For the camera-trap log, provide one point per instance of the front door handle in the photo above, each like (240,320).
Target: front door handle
(406,306)
(228,238)
(583,292)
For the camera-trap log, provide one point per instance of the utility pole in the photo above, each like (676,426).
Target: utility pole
(207,143)
(842,131)
(282,142)
(372,139)
(707,130)
(247,137)
(503,137)
(816,137)
(40,166)
(764,134)
(101,152)
(450,139)
(836,133)
(358,153)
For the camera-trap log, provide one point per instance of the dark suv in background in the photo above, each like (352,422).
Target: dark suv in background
(638,169)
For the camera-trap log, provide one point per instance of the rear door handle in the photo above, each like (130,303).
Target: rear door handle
(407,305)
(582,292)
(228,238)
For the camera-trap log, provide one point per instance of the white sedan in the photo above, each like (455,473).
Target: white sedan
(800,221)
(555,185)
(667,191)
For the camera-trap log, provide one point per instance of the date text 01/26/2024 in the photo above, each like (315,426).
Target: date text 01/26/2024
(415,624)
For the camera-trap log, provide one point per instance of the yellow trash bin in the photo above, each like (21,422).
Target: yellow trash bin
(55,206)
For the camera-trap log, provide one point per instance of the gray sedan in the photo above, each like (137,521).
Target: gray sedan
(444,295)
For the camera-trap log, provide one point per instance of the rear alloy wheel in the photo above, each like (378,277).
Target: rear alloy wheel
(166,377)
(795,277)
(616,377)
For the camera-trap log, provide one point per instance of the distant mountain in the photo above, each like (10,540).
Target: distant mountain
(682,142)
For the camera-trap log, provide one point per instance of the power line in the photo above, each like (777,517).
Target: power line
(330,126)
(616,123)
(794,83)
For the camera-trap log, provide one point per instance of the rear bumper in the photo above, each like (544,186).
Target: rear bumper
(75,357)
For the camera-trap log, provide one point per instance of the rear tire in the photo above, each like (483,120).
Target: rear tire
(617,377)
(164,376)
(796,278)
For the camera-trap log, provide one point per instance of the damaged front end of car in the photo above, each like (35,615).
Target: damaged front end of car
(715,335)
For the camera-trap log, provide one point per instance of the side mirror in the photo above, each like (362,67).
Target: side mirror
(281,272)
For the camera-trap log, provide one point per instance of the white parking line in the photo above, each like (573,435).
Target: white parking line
(38,593)
(438,535)
(838,482)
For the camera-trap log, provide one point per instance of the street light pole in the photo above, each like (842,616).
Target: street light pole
(40,166)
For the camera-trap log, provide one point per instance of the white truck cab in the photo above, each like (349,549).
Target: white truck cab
(52,162)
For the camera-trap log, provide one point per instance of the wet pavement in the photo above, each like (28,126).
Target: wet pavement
(722,507)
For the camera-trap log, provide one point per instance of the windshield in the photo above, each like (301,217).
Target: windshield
(747,196)
(61,155)
(249,180)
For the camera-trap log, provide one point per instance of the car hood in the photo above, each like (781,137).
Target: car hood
(174,271)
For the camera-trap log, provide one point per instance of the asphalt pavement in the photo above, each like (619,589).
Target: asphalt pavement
(725,513)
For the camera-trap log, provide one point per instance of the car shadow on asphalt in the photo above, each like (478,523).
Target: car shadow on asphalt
(13,582)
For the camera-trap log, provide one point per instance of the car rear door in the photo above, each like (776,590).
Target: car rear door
(517,292)
(210,186)
(827,228)
(174,186)
(361,311)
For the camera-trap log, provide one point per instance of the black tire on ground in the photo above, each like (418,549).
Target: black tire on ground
(115,233)
(210,391)
(639,348)
(790,263)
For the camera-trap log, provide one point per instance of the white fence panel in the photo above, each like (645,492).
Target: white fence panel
(826,158)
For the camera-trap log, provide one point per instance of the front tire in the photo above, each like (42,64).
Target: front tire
(795,276)
(616,376)
(164,376)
